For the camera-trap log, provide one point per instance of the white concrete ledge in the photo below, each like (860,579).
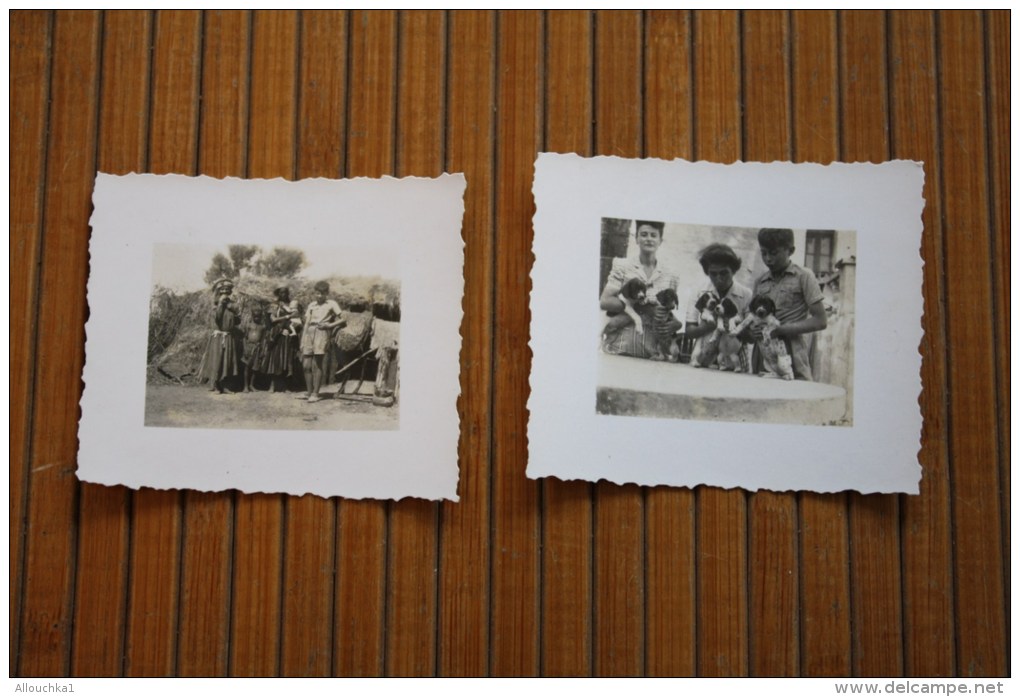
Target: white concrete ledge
(638,387)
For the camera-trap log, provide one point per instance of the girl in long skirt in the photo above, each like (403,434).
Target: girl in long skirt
(222,359)
(285,321)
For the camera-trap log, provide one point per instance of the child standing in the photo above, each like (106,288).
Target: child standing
(256,346)
(797,297)
(321,318)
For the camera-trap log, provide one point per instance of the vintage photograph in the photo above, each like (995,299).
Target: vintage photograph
(719,323)
(698,323)
(250,334)
(251,337)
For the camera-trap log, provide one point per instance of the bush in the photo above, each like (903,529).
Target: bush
(179,323)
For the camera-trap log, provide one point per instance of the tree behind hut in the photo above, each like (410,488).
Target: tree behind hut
(281,262)
(220,268)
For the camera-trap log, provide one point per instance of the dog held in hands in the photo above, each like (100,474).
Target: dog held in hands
(634,295)
(666,302)
(721,312)
(762,320)
(721,346)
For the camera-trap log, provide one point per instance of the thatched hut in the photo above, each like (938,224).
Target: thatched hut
(179,323)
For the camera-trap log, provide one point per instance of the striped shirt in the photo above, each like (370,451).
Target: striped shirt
(626,341)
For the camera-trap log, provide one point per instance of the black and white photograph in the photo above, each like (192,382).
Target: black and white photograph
(752,324)
(249,337)
(724,323)
(275,336)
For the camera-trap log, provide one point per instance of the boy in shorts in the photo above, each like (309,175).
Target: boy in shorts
(321,318)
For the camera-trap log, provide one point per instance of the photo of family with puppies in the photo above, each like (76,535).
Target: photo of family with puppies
(264,341)
(765,305)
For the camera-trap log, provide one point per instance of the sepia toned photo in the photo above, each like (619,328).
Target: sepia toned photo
(698,323)
(275,336)
(249,337)
(729,324)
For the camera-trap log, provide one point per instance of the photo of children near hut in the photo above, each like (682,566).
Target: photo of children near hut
(258,342)
(725,323)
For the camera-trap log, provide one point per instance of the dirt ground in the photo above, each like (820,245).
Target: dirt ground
(195,406)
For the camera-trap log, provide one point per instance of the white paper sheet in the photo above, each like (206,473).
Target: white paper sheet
(153,232)
(625,419)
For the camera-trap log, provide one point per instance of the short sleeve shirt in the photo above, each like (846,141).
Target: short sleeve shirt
(320,312)
(315,340)
(627,341)
(794,291)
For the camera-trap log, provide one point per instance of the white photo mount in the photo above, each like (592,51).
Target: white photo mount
(135,214)
(875,451)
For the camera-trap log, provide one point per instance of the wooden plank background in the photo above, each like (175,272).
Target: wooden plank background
(520,577)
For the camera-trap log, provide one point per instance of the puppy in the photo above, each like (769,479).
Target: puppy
(667,302)
(705,305)
(734,354)
(776,358)
(724,313)
(634,295)
(721,347)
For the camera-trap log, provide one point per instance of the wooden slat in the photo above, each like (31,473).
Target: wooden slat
(927,554)
(464,526)
(670,598)
(515,500)
(154,584)
(310,521)
(361,545)
(124,92)
(52,489)
(204,632)
(309,562)
(30,36)
(876,589)
(223,134)
(505,581)
(322,93)
(997,51)
(101,582)
(824,552)
(255,590)
(567,506)
(772,518)
(204,599)
(102,572)
(973,432)
(722,515)
(669,84)
(864,88)
(154,579)
(176,86)
(258,518)
(619,510)
(411,586)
